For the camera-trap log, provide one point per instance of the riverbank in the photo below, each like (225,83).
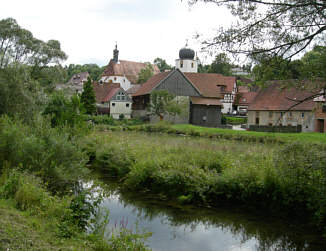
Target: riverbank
(218,133)
(288,181)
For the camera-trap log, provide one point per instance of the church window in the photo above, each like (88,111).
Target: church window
(181,64)
(192,65)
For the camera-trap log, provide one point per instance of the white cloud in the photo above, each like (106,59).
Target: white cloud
(144,29)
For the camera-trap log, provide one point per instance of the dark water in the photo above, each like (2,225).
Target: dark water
(177,228)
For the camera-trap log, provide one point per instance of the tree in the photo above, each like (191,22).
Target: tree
(88,97)
(145,73)
(277,68)
(64,111)
(18,45)
(162,103)
(221,65)
(162,64)
(94,70)
(283,28)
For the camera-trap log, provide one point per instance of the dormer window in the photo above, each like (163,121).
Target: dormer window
(121,96)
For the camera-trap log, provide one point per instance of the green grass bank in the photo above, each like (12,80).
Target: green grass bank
(287,180)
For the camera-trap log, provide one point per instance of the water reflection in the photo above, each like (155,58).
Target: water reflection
(177,228)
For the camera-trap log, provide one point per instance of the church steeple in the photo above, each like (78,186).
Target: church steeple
(116,54)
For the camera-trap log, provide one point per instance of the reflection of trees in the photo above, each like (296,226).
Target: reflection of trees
(275,235)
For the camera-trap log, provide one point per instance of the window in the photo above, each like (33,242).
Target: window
(302,115)
(127,105)
(290,114)
(181,64)
(113,104)
(192,65)
(121,96)
(115,78)
(270,114)
(324,108)
(270,124)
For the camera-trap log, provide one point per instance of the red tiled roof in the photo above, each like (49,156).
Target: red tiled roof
(147,87)
(243,89)
(208,84)
(275,98)
(133,89)
(246,98)
(126,68)
(104,92)
(205,101)
(77,78)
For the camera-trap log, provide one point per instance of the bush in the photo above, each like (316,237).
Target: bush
(50,153)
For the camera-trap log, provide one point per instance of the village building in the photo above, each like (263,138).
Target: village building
(278,106)
(111,99)
(75,84)
(202,95)
(243,100)
(123,72)
(320,114)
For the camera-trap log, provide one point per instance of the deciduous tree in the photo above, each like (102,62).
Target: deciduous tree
(275,27)
(145,73)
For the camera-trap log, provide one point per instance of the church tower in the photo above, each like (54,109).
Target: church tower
(116,54)
(187,61)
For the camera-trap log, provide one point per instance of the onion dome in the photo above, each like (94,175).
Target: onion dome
(186,53)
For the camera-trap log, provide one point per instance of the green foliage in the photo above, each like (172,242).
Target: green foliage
(94,71)
(126,240)
(162,102)
(48,152)
(20,95)
(88,97)
(277,68)
(221,65)
(162,65)
(284,24)
(290,180)
(63,111)
(18,45)
(235,120)
(145,74)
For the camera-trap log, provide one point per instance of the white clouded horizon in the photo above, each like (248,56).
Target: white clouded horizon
(143,29)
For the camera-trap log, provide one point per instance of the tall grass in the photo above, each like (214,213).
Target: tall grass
(290,179)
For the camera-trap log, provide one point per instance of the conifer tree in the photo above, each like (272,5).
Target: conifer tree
(88,97)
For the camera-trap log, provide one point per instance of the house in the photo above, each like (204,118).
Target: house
(276,106)
(199,94)
(112,99)
(75,84)
(243,100)
(123,72)
(320,114)
(203,96)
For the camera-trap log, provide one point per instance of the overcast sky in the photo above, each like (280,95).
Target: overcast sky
(143,29)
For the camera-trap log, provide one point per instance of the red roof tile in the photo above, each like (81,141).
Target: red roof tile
(104,92)
(243,89)
(275,98)
(147,87)
(246,98)
(205,101)
(208,84)
(126,68)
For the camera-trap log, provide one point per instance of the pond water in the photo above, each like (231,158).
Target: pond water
(178,228)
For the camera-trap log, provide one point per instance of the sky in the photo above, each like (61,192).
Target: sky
(143,29)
